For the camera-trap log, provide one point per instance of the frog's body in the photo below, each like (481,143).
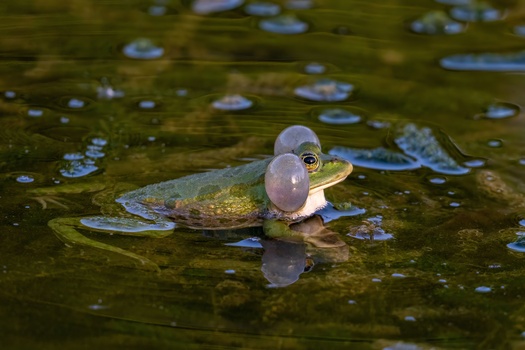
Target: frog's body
(224,199)
(230,198)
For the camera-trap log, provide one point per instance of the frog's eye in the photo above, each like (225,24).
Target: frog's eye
(311,161)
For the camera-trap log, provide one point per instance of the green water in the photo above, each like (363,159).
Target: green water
(421,288)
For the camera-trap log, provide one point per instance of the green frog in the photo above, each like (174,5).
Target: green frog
(272,193)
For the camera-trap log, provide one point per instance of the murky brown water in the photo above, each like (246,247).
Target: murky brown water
(104,92)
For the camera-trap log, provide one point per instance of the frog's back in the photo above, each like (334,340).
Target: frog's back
(226,198)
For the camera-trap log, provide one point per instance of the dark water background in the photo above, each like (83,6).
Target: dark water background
(446,279)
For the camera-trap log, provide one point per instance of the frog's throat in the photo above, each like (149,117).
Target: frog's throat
(315,201)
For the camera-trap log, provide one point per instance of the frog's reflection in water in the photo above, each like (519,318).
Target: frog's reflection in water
(283,261)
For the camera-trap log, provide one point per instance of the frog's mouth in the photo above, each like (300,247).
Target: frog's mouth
(322,186)
(337,178)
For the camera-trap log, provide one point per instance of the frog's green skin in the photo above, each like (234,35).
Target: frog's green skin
(231,197)
(222,199)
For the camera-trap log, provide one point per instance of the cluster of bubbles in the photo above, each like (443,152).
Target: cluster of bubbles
(421,148)
(82,164)
(271,19)
(455,21)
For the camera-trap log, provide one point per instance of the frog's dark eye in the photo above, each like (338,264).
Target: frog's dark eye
(311,160)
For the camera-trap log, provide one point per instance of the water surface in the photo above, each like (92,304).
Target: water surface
(112,92)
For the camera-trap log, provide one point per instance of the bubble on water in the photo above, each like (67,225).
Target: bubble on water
(370,230)
(410,319)
(97,307)
(314,68)
(206,7)
(483,289)
(143,49)
(151,138)
(398,275)
(376,280)
(147,104)
(378,124)
(476,12)
(519,30)
(99,141)
(73,156)
(475,163)
(76,103)
(64,120)
(495,143)
(157,10)
(232,103)
(501,110)
(521,161)
(9,94)
(435,23)
(35,113)
(496,62)
(25,179)
(377,158)
(77,168)
(181,92)
(438,180)
(283,24)
(94,151)
(263,9)
(106,92)
(339,116)
(352,302)
(327,90)
(229,272)
(522,222)
(454,204)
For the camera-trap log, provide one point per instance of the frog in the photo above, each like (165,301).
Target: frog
(271,193)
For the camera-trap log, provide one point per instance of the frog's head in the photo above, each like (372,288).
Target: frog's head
(296,177)
(324,170)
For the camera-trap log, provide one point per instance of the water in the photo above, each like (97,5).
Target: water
(98,97)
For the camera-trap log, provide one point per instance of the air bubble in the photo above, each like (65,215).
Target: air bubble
(283,24)
(495,143)
(263,9)
(35,113)
(206,7)
(327,90)
(232,103)
(25,179)
(339,116)
(143,49)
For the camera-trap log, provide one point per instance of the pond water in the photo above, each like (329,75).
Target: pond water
(424,97)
